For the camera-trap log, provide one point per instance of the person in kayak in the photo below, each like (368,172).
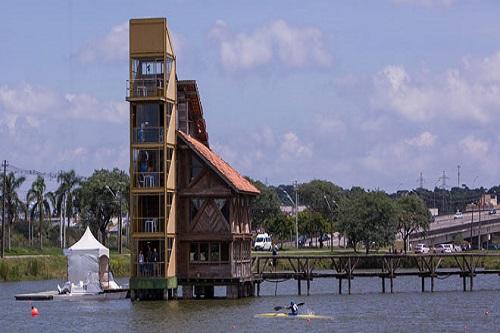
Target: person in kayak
(294,308)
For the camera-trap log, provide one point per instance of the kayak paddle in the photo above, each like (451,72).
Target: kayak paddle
(277,308)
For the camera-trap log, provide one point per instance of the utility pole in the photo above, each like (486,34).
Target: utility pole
(4,164)
(296,215)
(471,224)
(443,185)
(119,194)
(443,180)
(458,176)
(331,226)
(420,181)
(118,197)
(479,224)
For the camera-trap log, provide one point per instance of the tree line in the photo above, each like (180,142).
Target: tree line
(372,219)
(88,199)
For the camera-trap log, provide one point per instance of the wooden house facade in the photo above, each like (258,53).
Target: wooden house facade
(214,229)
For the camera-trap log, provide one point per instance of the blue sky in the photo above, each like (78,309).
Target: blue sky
(367,93)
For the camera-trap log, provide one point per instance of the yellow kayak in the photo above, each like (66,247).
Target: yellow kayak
(286,315)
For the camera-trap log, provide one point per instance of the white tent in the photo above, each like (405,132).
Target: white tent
(84,259)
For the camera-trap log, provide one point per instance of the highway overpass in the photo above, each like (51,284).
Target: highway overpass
(446,228)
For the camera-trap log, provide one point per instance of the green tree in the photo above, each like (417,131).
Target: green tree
(280,226)
(40,204)
(266,207)
(12,202)
(97,204)
(369,218)
(66,196)
(412,216)
(312,223)
(316,193)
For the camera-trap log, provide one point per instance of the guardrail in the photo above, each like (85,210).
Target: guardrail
(148,224)
(147,135)
(148,179)
(151,269)
(145,88)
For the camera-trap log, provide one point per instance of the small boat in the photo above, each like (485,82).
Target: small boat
(307,316)
(88,266)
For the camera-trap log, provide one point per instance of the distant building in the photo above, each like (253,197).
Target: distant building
(290,210)
(488,201)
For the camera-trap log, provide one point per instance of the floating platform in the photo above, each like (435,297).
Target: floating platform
(41,296)
(111,294)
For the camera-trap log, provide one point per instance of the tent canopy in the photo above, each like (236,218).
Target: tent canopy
(83,258)
(88,243)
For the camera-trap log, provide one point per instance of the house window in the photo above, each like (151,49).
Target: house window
(214,251)
(196,166)
(210,252)
(203,252)
(193,252)
(224,251)
(196,204)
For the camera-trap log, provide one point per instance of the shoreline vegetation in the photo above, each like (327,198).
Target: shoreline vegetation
(50,264)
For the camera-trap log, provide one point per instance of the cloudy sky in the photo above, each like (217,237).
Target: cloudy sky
(367,93)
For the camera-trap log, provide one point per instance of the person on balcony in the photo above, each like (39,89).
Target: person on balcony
(141,262)
(154,259)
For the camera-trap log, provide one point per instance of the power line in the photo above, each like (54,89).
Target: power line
(33,172)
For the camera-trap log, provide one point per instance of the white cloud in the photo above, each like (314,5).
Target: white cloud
(37,104)
(425,3)
(293,46)
(84,106)
(292,147)
(468,93)
(111,47)
(425,139)
(473,146)
(327,124)
(26,101)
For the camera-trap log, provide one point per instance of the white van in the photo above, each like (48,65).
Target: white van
(262,243)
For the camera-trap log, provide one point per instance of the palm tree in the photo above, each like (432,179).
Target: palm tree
(12,184)
(25,208)
(38,197)
(66,195)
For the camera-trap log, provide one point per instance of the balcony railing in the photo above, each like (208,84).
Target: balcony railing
(149,224)
(151,269)
(147,135)
(148,179)
(145,88)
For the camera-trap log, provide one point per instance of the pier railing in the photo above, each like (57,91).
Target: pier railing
(386,266)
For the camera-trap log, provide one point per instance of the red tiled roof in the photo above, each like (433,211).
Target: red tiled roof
(240,183)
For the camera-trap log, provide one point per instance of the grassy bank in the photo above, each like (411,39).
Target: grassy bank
(26,266)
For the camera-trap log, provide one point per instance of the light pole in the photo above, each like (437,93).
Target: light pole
(296,214)
(118,197)
(331,225)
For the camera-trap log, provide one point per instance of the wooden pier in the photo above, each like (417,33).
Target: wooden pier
(386,267)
